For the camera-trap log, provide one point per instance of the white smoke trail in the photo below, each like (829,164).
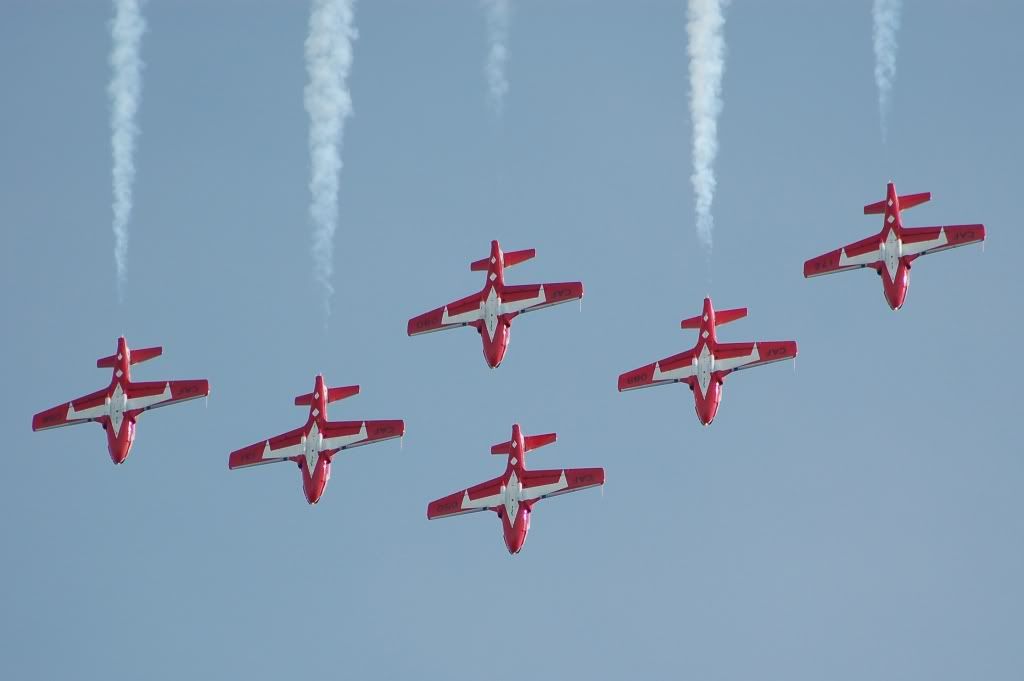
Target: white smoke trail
(707,63)
(886,15)
(497,53)
(125,90)
(328,102)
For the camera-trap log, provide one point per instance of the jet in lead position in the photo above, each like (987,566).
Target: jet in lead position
(312,447)
(118,406)
(705,367)
(492,310)
(513,494)
(891,251)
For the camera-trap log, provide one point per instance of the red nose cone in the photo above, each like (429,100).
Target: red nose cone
(706,413)
(514,541)
(494,354)
(896,296)
(119,451)
(515,536)
(314,486)
(119,444)
(494,350)
(707,405)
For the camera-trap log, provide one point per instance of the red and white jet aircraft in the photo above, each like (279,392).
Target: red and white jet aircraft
(513,494)
(313,446)
(705,367)
(119,405)
(891,251)
(492,310)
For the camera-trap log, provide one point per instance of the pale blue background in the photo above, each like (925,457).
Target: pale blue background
(859,518)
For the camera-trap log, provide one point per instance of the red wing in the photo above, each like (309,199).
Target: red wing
(348,434)
(459,313)
(278,448)
(544,484)
(924,240)
(669,370)
(480,497)
(858,254)
(150,395)
(736,356)
(530,297)
(81,410)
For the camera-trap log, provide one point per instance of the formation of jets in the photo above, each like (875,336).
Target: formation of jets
(513,494)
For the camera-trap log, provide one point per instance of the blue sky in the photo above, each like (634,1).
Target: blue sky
(859,517)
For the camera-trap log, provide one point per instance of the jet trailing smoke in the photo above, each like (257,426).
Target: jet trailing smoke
(328,102)
(497,51)
(125,89)
(886,15)
(707,62)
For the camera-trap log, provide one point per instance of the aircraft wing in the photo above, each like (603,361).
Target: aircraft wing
(736,356)
(480,497)
(544,484)
(82,410)
(459,313)
(348,434)
(278,448)
(924,240)
(672,369)
(859,254)
(144,396)
(530,297)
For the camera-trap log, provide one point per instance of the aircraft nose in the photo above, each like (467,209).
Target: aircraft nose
(494,354)
(896,299)
(118,451)
(514,544)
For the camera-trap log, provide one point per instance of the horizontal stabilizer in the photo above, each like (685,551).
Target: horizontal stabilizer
(509,259)
(906,201)
(516,257)
(721,317)
(537,441)
(137,357)
(529,442)
(333,395)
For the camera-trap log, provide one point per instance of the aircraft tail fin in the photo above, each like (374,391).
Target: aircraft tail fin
(906,201)
(333,395)
(137,356)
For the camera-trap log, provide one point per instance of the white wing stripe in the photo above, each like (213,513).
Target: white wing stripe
(461,318)
(737,362)
(149,400)
(924,246)
(519,305)
(88,412)
(862,259)
(342,441)
(545,490)
(679,374)
(481,503)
